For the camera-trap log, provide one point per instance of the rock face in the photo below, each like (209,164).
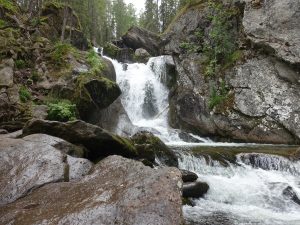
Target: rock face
(137,37)
(36,160)
(99,142)
(275,25)
(118,191)
(254,97)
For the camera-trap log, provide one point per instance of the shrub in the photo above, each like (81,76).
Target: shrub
(24,94)
(20,64)
(218,96)
(62,111)
(95,62)
(35,77)
(60,52)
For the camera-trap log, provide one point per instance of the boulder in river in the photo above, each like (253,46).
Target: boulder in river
(188,176)
(151,147)
(99,142)
(290,193)
(194,189)
(117,191)
(29,163)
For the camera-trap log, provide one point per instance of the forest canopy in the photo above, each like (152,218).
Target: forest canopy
(106,20)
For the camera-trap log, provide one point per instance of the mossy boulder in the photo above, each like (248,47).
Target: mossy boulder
(99,142)
(125,55)
(151,148)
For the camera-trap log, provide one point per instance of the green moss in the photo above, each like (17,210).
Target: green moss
(60,52)
(9,5)
(111,50)
(128,145)
(218,96)
(35,76)
(225,154)
(95,62)
(24,94)
(20,64)
(61,110)
(2,23)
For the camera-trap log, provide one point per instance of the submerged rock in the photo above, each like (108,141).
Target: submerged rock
(290,193)
(99,142)
(151,147)
(194,189)
(29,163)
(118,191)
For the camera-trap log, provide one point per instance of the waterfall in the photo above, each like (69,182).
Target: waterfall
(145,96)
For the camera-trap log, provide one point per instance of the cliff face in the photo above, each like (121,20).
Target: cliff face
(238,70)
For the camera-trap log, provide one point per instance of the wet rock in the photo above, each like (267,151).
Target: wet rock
(188,138)
(274,25)
(188,176)
(194,189)
(28,163)
(99,142)
(141,55)
(291,194)
(151,147)
(137,37)
(111,194)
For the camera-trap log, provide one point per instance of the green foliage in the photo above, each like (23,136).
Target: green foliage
(20,64)
(220,46)
(2,23)
(35,77)
(189,47)
(61,110)
(60,53)
(9,5)
(218,96)
(95,62)
(24,94)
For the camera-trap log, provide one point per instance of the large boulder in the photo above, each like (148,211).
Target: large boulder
(117,191)
(137,37)
(29,163)
(99,142)
(274,24)
(151,148)
(125,55)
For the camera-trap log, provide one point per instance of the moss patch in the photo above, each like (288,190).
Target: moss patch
(9,5)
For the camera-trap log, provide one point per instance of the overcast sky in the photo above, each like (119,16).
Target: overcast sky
(139,4)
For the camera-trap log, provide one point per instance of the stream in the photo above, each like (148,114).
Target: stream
(248,183)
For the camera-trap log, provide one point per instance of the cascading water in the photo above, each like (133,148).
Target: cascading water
(255,189)
(258,189)
(145,97)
